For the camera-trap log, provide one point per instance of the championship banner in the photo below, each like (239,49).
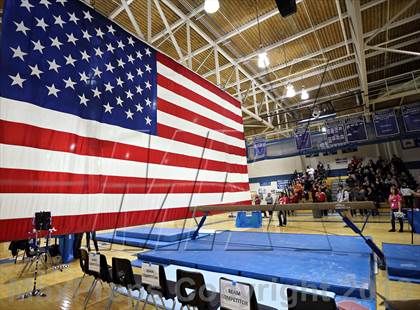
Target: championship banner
(303,138)
(385,123)
(356,129)
(411,117)
(104,131)
(336,134)
(260,147)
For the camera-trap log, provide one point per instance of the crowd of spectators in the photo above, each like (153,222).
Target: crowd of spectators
(372,181)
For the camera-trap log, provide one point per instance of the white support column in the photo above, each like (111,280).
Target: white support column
(189,59)
(267,107)
(254,98)
(356,29)
(216,64)
(168,29)
(238,85)
(132,19)
(149,20)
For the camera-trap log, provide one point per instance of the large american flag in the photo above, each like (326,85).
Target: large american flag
(89,114)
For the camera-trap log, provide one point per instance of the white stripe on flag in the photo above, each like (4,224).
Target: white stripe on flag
(20,157)
(198,89)
(27,113)
(25,205)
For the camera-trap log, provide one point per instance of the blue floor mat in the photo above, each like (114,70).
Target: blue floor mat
(345,270)
(403,261)
(157,233)
(136,242)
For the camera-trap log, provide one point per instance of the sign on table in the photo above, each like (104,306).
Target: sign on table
(150,274)
(234,296)
(94,262)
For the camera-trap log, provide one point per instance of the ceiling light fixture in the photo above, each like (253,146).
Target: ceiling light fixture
(263,60)
(290,91)
(304,94)
(211,6)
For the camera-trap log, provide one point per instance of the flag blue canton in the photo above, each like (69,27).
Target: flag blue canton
(62,55)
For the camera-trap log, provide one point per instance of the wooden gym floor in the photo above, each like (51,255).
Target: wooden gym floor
(60,285)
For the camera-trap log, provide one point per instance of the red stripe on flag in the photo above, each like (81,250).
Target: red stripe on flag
(17,229)
(32,181)
(171,133)
(189,94)
(173,109)
(41,138)
(196,78)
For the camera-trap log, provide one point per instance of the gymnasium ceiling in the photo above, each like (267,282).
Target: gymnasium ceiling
(323,47)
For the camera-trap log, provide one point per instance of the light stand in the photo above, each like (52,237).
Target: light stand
(35,291)
(41,221)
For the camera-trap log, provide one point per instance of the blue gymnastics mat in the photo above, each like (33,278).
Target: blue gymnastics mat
(157,233)
(340,264)
(403,261)
(142,243)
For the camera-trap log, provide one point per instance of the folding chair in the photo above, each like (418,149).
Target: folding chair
(165,290)
(84,265)
(200,297)
(104,275)
(123,276)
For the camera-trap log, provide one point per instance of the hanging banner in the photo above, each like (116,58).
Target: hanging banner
(303,138)
(336,135)
(260,147)
(411,117)
(355,129)
(385,123)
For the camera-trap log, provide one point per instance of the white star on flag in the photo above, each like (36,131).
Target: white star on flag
(108,108)
(121,63)
(130,76)
(129,114)
(148,120)
(111,29)
(70,60)
(58,21)
(130,41)
(110,48)
(71,38)
(97,72)
(129,94)
(38,46)
(98,52)
(99,33)
(139,90)
(55,42)
(86,15)
(85,56)
(17,52)
(84,77)
(108,87)
(86,35)
(139,108)
(130,59)
(83,100)
(53,65)
(148,102)
(41,23)
(96,93)
(26,4)
(147,51)
(20,27)
(120,45)
(140,72)
(109,67)
(73,18)
(52,90)
(148,85)
(69,83)
(119,82)
(17,80)
(35,71)
(148,69)
(119,101)
(45,2)
(139,55)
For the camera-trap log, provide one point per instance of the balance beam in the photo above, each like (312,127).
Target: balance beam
(355,205)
